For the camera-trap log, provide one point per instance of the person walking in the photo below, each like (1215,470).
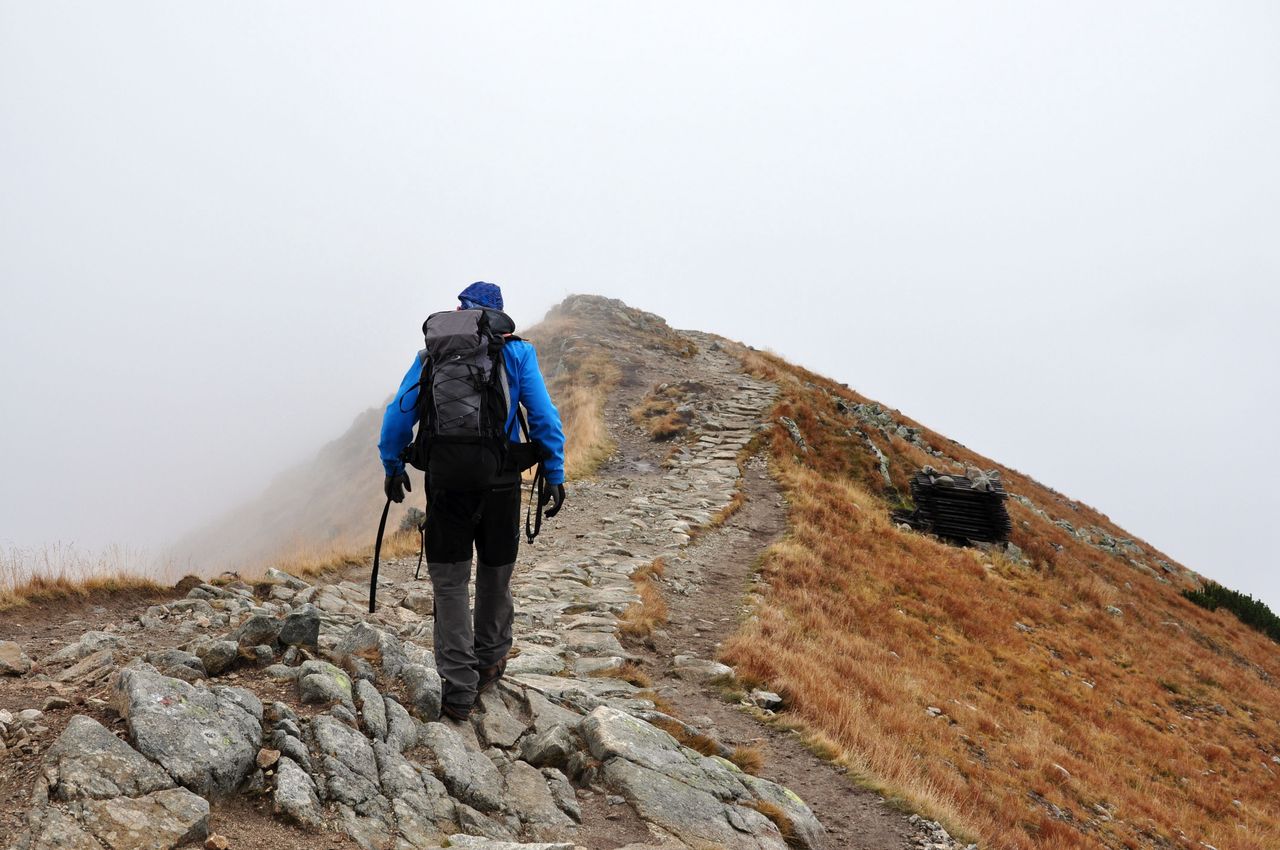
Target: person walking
(473,374)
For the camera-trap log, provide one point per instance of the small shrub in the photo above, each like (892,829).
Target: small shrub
(413,520)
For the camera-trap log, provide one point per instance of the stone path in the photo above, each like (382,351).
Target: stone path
(331,716)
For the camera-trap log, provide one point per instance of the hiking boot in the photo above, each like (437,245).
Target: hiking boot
(456,711)
(490,675)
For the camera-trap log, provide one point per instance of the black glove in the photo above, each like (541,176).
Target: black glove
(554,494)
(396,485)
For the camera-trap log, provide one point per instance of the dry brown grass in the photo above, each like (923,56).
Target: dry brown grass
(641,618)
(1161,717)
(579,381)
(749,759)
(59,572)
(627,671)
(704,744)
(660,414)
(778,815)
(334,558)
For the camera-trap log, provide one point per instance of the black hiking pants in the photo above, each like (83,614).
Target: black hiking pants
(459,521)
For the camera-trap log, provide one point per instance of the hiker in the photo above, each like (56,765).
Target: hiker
(472,483)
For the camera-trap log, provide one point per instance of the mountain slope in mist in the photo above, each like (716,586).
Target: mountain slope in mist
(328,507)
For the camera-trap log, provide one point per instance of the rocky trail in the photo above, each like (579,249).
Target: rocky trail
(282,714)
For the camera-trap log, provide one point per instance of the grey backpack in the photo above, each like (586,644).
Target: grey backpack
(464,403)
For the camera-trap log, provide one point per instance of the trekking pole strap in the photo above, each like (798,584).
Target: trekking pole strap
(377,556)
(536,491)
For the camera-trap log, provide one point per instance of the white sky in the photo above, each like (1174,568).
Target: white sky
(1048,230)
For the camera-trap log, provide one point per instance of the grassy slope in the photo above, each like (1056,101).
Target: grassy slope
(1154,727)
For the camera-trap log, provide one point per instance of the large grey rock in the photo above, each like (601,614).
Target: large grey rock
(289,745)
(473,822)
(373,712)
(301,627)
(321,683)
(295,794)
(178,664)
(562,792)
(91,668)
(13,661)
(206,738)
(700,669)
(552,748)
(476,842)
(363,641)
(217,656)
(495,723)
(423,685)
(694,816)
(806,831)
(547,715)
(529,797)
(535,662)
(402,732)
(611,733)
(350,769)
(88,762)
(89,643)
(468,775)
(51,828)
(157,821)
(258,630)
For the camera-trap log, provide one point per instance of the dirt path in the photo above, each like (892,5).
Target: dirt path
(706,588)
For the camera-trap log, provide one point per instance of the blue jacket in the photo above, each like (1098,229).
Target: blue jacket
(525,381)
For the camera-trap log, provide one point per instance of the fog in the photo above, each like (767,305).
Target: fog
(1049,231)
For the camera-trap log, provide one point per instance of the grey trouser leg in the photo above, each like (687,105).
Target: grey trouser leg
(454,649)
(494,612)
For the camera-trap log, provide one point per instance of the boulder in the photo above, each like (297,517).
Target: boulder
(373,712)
(495,723)
(694,816)
(94,666)
(13,661)
(476,842)
(423,685)
(529,797)
(806,831)
(295,795)
(301,627)
(350,769)
(402,732)
(89,643)
(217,656)
(321,683)
(178,664)
(468,775)
(700,670)
(552,748)
(88,762)
(258,630)
(157,821)
(206,738)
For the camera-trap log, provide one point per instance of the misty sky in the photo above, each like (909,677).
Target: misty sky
(1048,230)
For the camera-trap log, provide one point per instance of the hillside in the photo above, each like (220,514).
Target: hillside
(725,506)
